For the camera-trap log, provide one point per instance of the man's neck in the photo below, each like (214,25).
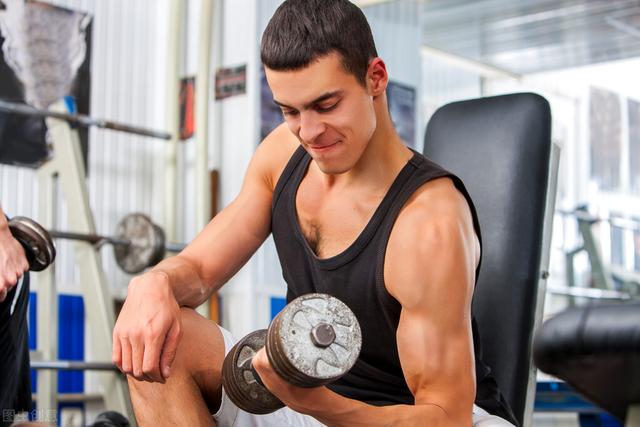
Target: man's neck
(381,161)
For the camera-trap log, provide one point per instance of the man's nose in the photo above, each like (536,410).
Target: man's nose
(310,127)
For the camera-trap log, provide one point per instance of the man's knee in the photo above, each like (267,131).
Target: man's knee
(199,354)
(202,343)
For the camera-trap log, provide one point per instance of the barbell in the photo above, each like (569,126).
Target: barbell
(137,243)
(80,120)
(313,341)
(72,365)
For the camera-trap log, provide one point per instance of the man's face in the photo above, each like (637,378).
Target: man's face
(328,110)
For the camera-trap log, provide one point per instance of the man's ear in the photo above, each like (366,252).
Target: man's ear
(377,77)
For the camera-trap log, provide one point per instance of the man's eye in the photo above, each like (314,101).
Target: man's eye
(289,113)
(323,109)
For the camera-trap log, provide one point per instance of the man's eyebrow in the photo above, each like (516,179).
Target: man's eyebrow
(319,99)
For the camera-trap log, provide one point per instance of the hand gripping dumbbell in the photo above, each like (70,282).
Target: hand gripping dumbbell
(312,342)
(36,241)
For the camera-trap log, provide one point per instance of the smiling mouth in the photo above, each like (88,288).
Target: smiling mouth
(325,147)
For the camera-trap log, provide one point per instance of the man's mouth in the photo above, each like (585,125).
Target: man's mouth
(321,148)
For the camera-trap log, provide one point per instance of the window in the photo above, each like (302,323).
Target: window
(634,146)
(606,137)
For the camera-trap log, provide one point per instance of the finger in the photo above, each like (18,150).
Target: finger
(169,349)
(262,366)
(126,355)
(9,280)
(137,352)
(260,362)
(116,353)
(3,294)
(151,359)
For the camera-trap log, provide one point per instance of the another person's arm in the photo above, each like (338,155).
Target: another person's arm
(147,332)
(13,262)
(432,277)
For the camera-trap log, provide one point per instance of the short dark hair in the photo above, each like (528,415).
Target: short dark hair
(301,31)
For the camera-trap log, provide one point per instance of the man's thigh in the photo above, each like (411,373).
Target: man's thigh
(482,418)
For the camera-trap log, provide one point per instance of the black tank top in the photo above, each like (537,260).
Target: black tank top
(355,276)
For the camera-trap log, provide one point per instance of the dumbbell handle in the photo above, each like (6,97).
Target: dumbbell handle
(256,376)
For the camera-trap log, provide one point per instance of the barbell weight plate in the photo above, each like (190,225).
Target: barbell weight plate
(314,340)
(36,241)
(160,249)
(239,381)
(144,240)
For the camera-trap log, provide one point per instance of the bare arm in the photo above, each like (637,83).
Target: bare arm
(432,277)
(233,236)
(148,330)
(434,285)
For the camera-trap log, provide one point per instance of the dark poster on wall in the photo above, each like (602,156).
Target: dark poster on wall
(187,107)
(45,55)
(270,113)
(402,107)
(230,81)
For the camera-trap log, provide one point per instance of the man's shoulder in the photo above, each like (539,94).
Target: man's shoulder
(273,154)
(435,203)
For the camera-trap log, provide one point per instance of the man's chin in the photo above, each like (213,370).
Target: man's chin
(331,168)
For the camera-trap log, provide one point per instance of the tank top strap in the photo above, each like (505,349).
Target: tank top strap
(293,164)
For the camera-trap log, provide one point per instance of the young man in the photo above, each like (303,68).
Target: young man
(15,385)
(354,213)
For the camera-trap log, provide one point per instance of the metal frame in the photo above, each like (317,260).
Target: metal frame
(544,274)
(603,276)
(66,172)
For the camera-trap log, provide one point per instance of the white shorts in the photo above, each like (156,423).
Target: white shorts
(229,415)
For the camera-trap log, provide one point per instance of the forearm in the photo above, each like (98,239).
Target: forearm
(185,283)
(338,411)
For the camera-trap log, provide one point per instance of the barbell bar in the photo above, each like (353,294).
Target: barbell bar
(138,243)
(72,365)
(81,120)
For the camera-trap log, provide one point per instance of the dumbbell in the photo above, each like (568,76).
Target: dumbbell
(312,342)
(36,241)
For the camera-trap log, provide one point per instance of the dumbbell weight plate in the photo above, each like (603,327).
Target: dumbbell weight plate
(239,381)
(37,242)
(147,243)
(293,348)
